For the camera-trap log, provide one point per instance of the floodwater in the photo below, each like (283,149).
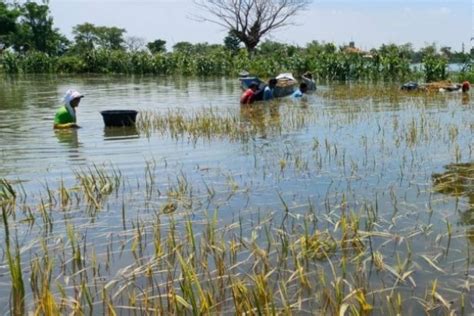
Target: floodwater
(346,146)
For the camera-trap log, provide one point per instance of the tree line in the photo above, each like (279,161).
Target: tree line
(30,43)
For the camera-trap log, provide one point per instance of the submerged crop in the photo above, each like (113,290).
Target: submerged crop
(357,202)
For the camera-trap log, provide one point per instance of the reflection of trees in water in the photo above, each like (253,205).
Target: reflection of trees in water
(12,95)
(458,180)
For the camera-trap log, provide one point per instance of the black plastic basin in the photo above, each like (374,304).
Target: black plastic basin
(119,117)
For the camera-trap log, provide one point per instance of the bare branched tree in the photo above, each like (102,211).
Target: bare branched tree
(135,44)
(250,20)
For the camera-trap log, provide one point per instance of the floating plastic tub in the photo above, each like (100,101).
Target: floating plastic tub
(118,118)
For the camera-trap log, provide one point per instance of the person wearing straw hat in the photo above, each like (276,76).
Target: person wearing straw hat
(66,115)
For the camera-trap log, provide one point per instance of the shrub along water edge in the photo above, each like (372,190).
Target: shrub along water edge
(325,64)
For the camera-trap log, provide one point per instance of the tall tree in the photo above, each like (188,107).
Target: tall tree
(232,43)
(157,46)
(250,20)
(111,37)
(89,36)
(8,24)
(135,43)
(429,50)
(183,47)
(446,51)
(85,36)
(36,31)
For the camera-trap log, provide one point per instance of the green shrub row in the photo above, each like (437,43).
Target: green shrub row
(325,64)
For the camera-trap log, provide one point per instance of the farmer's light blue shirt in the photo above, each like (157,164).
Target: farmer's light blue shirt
(297,94)
(267,93)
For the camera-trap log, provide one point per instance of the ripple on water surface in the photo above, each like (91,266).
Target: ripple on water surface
(348,154)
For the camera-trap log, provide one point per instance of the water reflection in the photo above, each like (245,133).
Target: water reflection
(68,137)
(120,133)
(12,96)
(264,118)
(458,181)
(465,99)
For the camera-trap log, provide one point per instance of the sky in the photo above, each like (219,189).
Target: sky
(369,23)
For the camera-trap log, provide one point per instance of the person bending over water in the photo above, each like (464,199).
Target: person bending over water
(66,115)
(466,86)
(308,79)
(248,97)
(298,94)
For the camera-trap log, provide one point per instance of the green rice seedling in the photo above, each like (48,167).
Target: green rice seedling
(360,297)
(64,195)
(436,301)
(97,183)
(45,215)
(51,196)
(86,296)
(449,232)
(14,264)
(40,279)
(378,260)
(7,192)
(300,272)
(192,290)
(107,304)
(241,297)
(150,170)
(457,153)
(317,246)
(208,124)
(262,295)
(76,259)
(282,291)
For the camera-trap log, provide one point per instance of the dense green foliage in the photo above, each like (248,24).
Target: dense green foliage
(157,46)
(88,37)
(8,24)
(29,27)
(35,46)
(326,61)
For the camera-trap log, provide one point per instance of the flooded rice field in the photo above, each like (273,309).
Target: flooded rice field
(358,200)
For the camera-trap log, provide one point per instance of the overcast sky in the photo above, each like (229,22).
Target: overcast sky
(369,22)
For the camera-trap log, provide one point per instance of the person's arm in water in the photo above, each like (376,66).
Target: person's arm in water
(66,125)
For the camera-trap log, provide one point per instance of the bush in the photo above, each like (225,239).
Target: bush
(435,68)
(70,64)
(10,62)
(325,61)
